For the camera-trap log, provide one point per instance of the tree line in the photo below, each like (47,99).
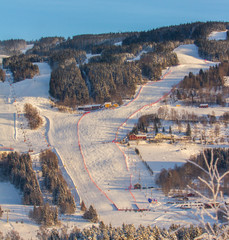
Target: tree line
(205,87)
(22,66)
(213,50)
(180,177)
(126,231)
(12,46)
(196,30)
(44,46)
(88,41)
(17,168)
(55,183)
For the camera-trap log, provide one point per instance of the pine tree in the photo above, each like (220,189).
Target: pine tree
(91,215)
(156,128)
(83,206)
(170,130)
(188,130)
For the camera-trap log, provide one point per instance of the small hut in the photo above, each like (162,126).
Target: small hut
(137,186)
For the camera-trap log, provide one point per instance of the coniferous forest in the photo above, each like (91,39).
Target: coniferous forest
(181,177)
(110,75)
(205,87)
(17,168)
(55,183)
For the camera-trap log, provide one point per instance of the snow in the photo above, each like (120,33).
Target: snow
(10,200)
(28,47)
(1,57)
(118,43)
(175,154)
(98,170)
(218,35)
(90,55)
(138,57)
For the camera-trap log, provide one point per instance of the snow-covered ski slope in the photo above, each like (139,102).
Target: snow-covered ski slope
(218,35)
(92,161)
(105,162)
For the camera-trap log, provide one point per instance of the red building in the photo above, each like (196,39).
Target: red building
(203,105)
(137,137)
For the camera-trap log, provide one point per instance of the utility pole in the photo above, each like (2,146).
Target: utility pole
(7,211)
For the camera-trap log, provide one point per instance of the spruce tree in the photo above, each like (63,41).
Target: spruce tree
(170,130)
(91,215)
(83,206)
(188,130)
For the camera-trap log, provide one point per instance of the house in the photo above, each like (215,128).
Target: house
(137,186)
(107,104)
(203,105)
(137,137)
(161,136)
(90,107)
(115,105)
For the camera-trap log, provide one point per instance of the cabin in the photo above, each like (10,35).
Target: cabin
(90,107)
(107,104)
(203,105)
(137,186)
(161,136)
(115,105)
(137,137)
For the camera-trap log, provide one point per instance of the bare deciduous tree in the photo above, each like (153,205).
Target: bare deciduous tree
(219,210)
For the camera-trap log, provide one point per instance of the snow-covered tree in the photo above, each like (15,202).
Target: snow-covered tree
(218,208)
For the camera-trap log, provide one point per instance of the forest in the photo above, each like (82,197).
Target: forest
(205,87)
(109,76)
(87,41)
(213,50)
(55,183)
(45,45)
(111,82)
(12,47)
(17,168)
(62,57)
(67,85)
(181,177)
(126,231)
(22,66)
(177,33)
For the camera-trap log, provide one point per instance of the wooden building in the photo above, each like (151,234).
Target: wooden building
(137,137)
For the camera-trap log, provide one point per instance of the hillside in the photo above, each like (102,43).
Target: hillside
(98,169)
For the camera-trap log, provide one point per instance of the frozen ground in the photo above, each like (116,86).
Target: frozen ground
(99,170)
